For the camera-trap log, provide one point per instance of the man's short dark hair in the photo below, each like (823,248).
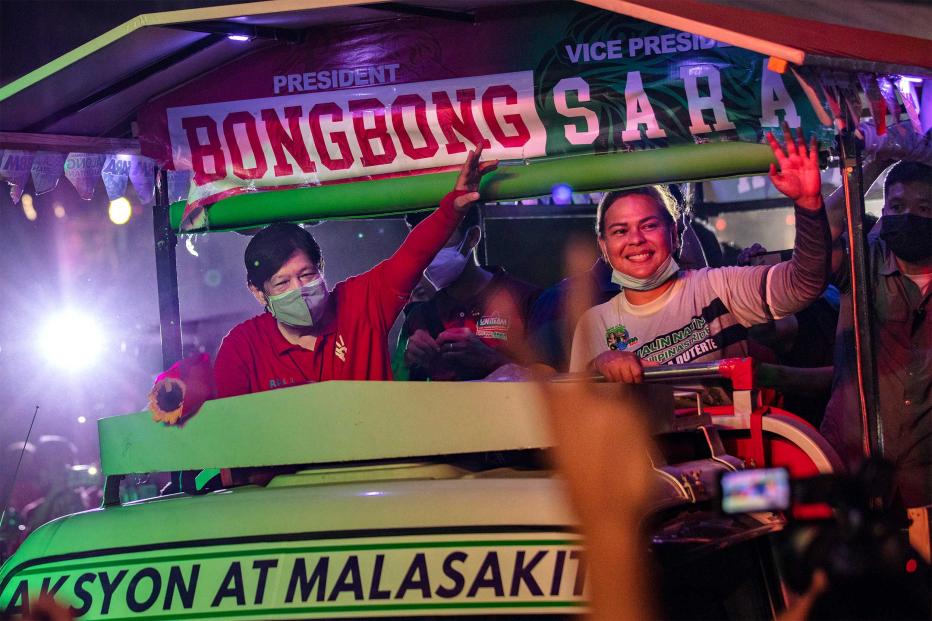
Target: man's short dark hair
(907,172)
(271,247)
(471,219)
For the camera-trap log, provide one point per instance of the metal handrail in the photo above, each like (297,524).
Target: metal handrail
(738,370)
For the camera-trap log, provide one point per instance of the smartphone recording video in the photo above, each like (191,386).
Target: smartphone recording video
(747,491)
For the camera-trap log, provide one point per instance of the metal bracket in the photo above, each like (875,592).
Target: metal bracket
(112,490)
(861,295)
(166,272)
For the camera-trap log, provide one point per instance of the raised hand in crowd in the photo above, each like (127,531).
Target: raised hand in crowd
(798,175)
(602,451)
(470,175)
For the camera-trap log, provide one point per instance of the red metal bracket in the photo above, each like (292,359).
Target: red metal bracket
(740,371)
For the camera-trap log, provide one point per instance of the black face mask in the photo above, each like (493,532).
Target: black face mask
(909,236)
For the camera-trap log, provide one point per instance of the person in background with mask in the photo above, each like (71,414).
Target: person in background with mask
(899,262)
(667,316)
(476,322)
(53,459)
(310,333)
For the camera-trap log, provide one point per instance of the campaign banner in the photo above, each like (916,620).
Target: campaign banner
(83,170)
(419,575)
(14,169)
(47,169)
(380,100)
(352,134)
(116,175)
(142,176)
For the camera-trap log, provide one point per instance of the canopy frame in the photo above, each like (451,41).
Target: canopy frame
(158,66)
(166,275)
(868,395)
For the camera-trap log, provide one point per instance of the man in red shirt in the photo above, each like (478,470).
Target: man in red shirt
(311,334)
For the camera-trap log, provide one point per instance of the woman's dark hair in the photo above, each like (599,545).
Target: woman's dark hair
(659,193)
(268,250)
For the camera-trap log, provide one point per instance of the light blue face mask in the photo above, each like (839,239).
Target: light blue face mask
(667,270)
(302,307)
(446,267)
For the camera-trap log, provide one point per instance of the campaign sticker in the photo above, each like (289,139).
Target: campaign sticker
(47,169)
(116,175)
(618,339)
(14,169)
(83,171)
(492,328)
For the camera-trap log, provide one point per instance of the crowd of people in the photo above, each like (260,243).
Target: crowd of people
(40,481)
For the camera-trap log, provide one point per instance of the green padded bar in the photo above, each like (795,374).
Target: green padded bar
(584,173)
(330,422)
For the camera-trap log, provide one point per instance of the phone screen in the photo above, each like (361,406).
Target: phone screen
(746,491)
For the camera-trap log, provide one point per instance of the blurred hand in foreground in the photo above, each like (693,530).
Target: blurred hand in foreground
(601,449)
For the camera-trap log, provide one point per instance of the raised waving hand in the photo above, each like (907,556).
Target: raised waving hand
(798,176)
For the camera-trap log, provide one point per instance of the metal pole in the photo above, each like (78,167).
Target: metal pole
(691,371)
(861,295)
(166,274)
(483,243)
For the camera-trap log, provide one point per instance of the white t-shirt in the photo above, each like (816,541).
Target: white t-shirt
(706,313)
(703,316)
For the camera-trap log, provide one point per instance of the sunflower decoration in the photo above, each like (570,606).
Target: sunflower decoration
(179,392)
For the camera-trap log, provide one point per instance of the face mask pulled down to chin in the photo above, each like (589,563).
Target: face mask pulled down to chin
(662,274)
(302,307)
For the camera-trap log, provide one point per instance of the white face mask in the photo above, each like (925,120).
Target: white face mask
(661,275)
(301,307)
(446,267)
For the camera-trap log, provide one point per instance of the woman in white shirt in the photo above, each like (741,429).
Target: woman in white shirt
(667,316)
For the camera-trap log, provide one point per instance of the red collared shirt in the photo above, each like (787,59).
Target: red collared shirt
(255,356)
